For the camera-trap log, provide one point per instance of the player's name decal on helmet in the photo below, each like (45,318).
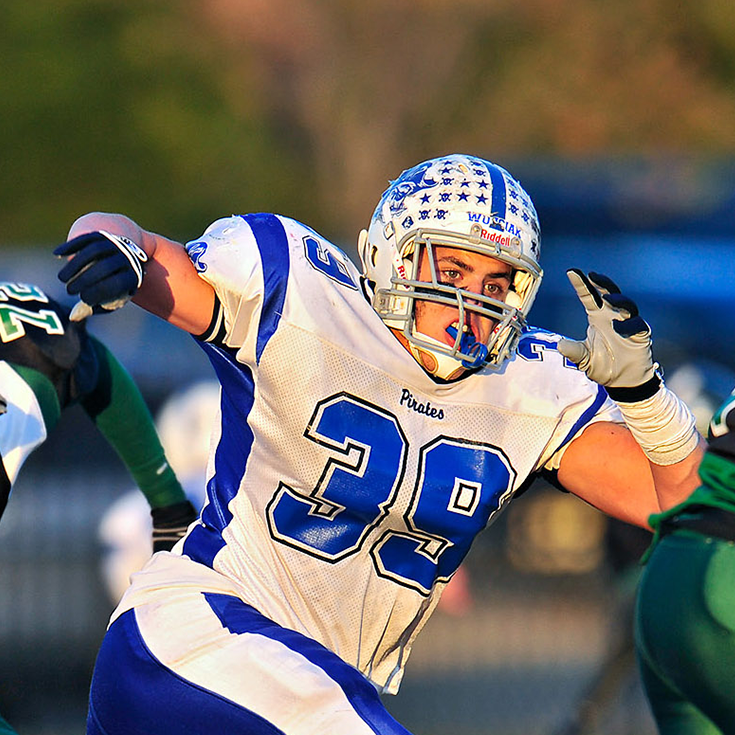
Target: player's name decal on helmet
(497,223)
(408,400)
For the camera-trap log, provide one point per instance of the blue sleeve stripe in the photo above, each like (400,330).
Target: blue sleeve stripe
(600,398)
(231,455)
(272,241)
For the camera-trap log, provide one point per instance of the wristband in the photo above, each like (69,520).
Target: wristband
(663,426)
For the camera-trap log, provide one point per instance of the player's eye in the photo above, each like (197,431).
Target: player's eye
(494,289)
(449,275)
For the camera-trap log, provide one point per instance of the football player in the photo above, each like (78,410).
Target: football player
(685,623)
(372,424)
(47,364)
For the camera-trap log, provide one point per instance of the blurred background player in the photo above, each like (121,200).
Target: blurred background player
(685,616)
(48,364)
(184,425)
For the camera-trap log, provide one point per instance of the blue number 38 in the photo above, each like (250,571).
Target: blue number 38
(458,485)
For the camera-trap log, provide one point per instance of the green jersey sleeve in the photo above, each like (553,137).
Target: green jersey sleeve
(119,411)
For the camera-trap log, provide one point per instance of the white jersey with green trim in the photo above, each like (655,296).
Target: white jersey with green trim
(345,484)
(22,427)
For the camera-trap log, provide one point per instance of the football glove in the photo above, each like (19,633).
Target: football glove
(170,524)
(105,270)
(617,350)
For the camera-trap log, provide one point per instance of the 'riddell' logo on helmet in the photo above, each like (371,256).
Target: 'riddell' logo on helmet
(512,243)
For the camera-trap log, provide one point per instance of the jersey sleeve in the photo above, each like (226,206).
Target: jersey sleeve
(600,407)
(228,257)
(562,390)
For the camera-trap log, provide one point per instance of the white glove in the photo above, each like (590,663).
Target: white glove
(617,350)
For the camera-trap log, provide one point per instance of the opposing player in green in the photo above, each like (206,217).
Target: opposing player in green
(685,620)
(48,363)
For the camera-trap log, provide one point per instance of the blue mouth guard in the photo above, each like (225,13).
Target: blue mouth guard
(469,346)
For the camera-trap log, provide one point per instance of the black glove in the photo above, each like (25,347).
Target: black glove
(170,524)
(105,270)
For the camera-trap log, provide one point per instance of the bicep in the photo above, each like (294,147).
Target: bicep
(172,288)
(605,467)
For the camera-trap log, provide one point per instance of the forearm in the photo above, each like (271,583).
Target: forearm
(120,413)
(119,224)
(676,482)
(171,288)
(665,429)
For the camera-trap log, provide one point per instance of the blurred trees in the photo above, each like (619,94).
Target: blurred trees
(124,105)
(180,112)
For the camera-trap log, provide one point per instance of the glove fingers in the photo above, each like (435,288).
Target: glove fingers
(631,327)
(96,250)
(93,273)
(76,244)
(573,350)
(586,292)
(622,303)
(109,288)
(80,312)
(603,282)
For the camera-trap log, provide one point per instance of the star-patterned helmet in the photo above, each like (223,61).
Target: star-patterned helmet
(463,202)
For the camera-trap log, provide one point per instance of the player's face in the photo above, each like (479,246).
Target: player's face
(470,271)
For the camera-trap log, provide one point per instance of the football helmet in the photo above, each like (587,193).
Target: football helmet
(462,202)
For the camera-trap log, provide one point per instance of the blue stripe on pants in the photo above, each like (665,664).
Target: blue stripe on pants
(239,617)
(135,694)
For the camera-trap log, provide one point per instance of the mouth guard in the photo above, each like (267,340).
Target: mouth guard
(469,346)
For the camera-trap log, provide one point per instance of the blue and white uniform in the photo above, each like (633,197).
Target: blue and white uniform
(345,487)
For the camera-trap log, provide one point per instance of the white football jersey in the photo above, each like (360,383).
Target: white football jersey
(345,485)
(22,428)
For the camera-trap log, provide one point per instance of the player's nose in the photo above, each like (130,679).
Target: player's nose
(474,287)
